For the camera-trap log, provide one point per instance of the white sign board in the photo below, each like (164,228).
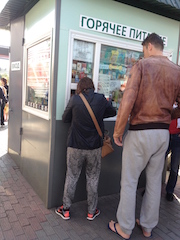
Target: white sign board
(16,66)
(116,29)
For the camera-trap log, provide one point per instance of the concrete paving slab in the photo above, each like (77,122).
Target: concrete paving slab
(23,215)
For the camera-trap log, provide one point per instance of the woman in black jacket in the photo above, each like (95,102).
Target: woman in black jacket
(84,144)
(3,97)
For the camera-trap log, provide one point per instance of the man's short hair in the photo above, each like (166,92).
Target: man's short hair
(155,40)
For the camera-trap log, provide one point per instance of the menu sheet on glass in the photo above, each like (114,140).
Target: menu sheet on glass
(83,57)
(38,75)
(114,69)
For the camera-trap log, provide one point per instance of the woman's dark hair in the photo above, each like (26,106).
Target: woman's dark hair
(84,84)
(155,40)
(4,81)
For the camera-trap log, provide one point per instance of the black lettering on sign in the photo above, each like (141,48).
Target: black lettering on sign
(118,30)
(113,27)
(105,26)
(82,22)
(90,23)
(98,24)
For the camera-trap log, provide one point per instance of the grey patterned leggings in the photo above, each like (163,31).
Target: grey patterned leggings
(75,160)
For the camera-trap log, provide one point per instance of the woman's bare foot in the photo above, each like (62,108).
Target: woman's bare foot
(115,227)
(146,234)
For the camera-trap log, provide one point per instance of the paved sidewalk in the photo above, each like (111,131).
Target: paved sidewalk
(23,215)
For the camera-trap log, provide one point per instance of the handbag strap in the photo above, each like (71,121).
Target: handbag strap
(91,114)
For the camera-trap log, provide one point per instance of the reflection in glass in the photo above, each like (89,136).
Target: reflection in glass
(38,75)
(115,65)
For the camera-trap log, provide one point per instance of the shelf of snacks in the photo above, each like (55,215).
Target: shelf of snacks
(80,69)
(114,69)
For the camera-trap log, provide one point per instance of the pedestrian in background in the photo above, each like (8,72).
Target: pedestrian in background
(5,105)
(152,88)
(84,145)
(3,101)
(174,148)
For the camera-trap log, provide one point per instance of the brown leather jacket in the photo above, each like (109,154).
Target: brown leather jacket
(152,88)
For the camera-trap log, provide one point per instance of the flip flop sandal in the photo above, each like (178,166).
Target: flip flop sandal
(140,227)
(116,231)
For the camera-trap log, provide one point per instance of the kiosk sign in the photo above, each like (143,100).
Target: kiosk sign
(16,66)
(115,29)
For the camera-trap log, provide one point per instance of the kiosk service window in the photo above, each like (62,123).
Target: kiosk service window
(108,66)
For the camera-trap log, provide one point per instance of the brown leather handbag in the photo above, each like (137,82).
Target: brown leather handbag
(107,143)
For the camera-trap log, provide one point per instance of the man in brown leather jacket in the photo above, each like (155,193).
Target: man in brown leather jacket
(152,88)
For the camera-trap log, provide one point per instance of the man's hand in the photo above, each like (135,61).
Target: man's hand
(118,141)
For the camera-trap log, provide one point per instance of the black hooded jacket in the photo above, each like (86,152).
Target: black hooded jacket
(4,99)
(82,133)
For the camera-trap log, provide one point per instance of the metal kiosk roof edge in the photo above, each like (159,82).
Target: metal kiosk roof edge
(166,8)
(14,9)
(18,8)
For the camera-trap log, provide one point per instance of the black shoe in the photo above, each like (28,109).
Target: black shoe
(65,214)
(93,216)
(2,124)
(169,197)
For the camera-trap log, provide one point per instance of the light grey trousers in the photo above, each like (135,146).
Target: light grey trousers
(75,160)
(143,148)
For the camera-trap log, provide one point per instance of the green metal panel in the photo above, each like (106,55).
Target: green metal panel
(112,11)
(39,20)
(36,139)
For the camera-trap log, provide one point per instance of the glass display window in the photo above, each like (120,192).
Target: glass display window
(114,68)
(37,82)
(83,60)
